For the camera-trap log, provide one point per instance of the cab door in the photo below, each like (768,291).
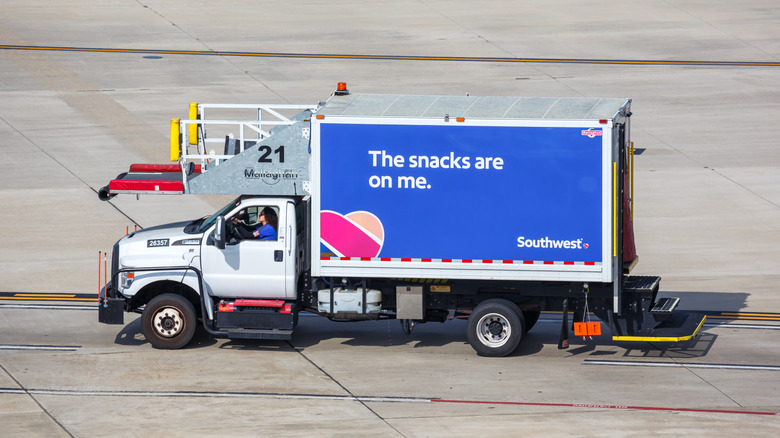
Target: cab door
(251,268)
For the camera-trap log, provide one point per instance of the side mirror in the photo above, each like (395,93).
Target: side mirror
(219,233)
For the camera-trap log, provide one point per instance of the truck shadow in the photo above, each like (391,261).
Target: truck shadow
(132,335)
(388,333)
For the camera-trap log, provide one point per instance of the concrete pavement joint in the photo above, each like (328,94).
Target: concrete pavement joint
(744,188)
(300,352)
(45,152)
(23,390)
(210,49)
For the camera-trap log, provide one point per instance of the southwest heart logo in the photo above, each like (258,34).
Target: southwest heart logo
(356,234)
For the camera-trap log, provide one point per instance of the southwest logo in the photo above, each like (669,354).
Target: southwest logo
(592,132)
(546,243)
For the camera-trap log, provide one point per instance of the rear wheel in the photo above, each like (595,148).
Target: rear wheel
(495,328)
(169,321)
(531,316)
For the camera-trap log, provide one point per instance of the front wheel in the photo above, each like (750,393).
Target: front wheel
(169,321)
(495,328)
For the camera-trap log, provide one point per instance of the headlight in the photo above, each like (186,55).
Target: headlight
(126,279)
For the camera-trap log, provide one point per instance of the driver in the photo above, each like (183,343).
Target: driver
(265,229)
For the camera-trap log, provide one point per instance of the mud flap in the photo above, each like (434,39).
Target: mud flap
(112,311)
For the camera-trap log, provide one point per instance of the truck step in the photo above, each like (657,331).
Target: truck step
(665,305)
(641,283)
(238,333)
(679,327)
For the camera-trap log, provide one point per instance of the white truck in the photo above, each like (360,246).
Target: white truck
(416,208)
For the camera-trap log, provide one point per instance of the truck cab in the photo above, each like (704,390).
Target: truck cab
(223,258)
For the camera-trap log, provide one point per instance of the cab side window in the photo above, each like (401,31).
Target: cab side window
(256,223)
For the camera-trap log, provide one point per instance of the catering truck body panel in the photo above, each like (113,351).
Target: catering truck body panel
(418,208)
(473,200)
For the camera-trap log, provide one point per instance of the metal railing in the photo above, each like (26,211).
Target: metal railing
(210,132)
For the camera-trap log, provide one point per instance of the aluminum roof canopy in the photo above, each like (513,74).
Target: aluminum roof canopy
(386,105)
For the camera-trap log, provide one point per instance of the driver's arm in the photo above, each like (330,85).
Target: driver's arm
(241,230)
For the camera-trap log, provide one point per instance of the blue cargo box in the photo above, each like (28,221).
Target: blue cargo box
(415,196)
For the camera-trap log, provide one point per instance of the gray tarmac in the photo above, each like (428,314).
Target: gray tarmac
(707,216)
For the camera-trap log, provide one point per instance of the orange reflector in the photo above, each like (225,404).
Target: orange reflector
(320,117)
(585,329)
(460,119)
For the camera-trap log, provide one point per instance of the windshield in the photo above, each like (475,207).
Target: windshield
(213,218)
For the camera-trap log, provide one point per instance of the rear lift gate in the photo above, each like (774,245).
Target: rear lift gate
(644,319)
(256,319)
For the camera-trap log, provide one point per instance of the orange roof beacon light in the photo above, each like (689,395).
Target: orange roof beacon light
(341,89)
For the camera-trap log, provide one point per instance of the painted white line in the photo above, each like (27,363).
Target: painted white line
(744,326)
(47,306)
(66,392)
(40,347)
(723,366)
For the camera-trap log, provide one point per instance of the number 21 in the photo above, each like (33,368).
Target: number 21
(266,152)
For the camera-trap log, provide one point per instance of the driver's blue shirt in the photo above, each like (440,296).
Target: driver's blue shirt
(265,232)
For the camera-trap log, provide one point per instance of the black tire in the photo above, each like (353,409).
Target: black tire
(169,321)
(531,316)
(495,328)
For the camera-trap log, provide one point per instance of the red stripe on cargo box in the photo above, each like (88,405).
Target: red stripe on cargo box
(528,262)
(487,261)
(426,260)
(590,263)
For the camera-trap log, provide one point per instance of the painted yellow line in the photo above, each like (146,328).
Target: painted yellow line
(46,295)
(48,298)
(394,57)
(753,314)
